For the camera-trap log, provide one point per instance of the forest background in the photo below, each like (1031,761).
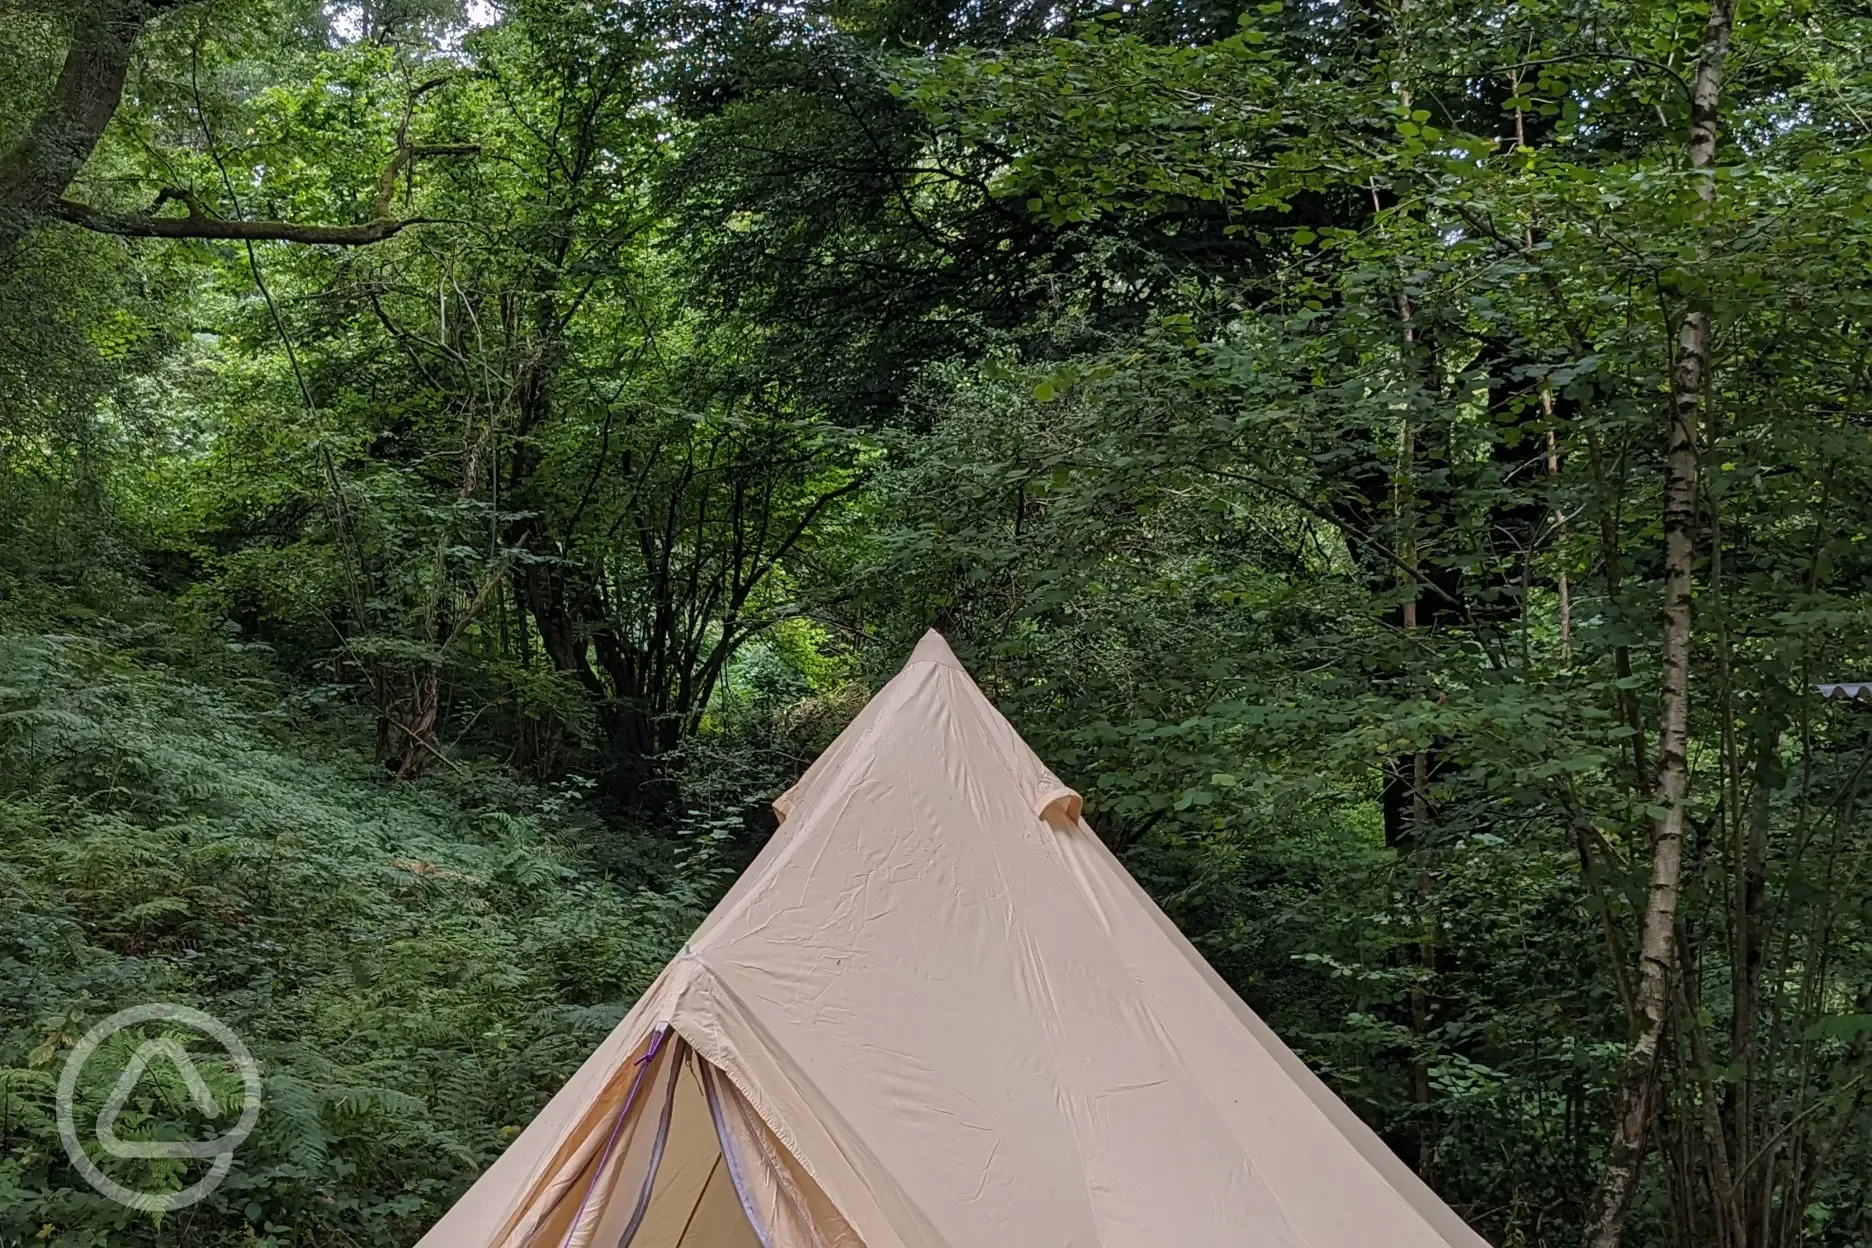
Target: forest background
(1408,464)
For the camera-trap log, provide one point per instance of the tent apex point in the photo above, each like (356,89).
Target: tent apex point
(934,649)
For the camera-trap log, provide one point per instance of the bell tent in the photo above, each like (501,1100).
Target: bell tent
(936,1012)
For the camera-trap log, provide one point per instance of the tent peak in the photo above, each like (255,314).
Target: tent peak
(934,649)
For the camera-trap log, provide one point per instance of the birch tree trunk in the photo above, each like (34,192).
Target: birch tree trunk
(1657,937)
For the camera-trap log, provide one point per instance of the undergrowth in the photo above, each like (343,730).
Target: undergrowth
(416,968)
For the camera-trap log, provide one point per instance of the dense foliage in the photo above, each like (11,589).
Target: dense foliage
(1408,465)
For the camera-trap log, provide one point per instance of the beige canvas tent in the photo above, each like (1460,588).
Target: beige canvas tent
(937,1013)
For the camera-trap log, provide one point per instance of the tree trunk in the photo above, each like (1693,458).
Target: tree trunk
(1746,959)
(1657,938)
(35,171)
(417,724)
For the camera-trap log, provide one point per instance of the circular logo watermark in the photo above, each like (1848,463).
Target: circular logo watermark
(170,1050)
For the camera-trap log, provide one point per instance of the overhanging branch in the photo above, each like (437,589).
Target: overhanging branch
(198,224)
(217,228)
